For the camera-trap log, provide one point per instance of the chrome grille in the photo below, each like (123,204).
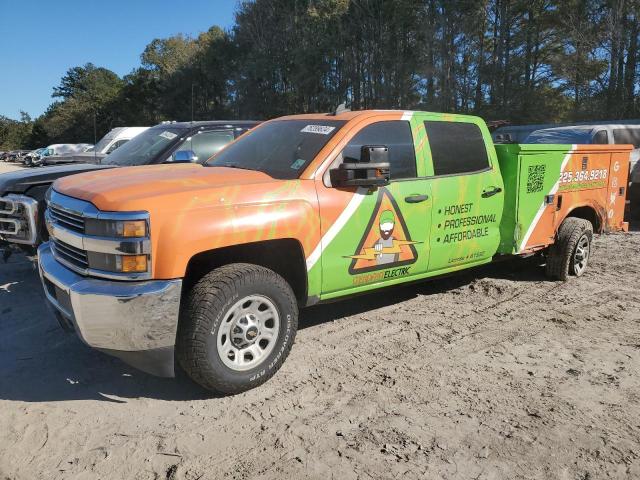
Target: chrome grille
(74,244)
(72,255)
(18,219)
(7,207)
(72,221)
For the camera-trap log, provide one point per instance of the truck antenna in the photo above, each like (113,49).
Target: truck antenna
(191,102)
(340,109)
(95,136)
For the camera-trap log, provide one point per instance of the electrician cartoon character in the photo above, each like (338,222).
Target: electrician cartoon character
(386,241)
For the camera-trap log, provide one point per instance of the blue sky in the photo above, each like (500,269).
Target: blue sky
(41,40)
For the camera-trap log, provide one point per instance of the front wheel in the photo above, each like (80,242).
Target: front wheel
(570,253)
(237,326)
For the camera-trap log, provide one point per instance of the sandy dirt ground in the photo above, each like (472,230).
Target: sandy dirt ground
(494,374)
(9,167)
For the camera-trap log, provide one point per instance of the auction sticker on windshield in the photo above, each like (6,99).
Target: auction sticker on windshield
(320,129)
(168,135)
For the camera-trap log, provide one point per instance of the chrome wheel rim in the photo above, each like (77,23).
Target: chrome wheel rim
(248,333)
(581,255)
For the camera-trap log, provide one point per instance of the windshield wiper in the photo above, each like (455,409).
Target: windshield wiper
(231,165)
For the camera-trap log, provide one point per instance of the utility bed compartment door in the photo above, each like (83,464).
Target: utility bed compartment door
(617,190)
(554,185)
(537,201)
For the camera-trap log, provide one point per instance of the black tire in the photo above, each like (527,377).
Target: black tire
(561,256)
(205,308)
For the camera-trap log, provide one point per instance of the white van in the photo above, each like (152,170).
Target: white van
(114,139)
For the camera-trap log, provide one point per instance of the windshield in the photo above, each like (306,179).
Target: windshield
(102,143)
(566,136)
(281,149)
(145,148)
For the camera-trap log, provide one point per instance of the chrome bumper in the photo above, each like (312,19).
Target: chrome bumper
(135,321)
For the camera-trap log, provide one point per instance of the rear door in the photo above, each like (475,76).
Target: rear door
(467,191)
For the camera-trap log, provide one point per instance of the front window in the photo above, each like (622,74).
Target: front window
(101,145)
(282,149)
(396,136)
(144,148)
(601,138)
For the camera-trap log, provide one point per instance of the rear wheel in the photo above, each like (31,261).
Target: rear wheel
(570,253)
(237,326)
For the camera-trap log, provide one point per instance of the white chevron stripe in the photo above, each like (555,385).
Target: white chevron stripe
(407,115)
(543,207)
(340,222)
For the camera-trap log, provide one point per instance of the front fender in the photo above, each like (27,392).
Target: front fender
(198,230)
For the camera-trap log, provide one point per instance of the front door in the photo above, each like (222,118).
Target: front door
(467,189)
(381,236)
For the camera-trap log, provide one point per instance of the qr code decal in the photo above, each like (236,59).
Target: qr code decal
(535,180)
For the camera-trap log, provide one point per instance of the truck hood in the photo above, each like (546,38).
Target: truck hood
(22,180)
(84,157)
(135,188)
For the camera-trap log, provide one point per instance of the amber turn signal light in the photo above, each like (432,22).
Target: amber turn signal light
(132,228)
(133,263)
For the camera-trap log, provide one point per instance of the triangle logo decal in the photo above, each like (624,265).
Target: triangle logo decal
(386,241)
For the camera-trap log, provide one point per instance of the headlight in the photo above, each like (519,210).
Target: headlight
(116,228)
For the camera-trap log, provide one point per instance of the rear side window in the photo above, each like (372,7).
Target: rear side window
(624,136)
(601,138)
(456,147)
(395,134)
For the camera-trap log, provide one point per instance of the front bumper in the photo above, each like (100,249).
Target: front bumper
(135,321)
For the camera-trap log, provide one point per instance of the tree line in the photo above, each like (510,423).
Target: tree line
(524,61)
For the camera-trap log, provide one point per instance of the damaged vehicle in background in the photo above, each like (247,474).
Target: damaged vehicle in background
(33,157)
(60,149)
(14,155)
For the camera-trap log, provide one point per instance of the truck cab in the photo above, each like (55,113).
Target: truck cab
(211,265)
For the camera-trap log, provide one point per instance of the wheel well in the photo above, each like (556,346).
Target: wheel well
(283,256)
(589,214)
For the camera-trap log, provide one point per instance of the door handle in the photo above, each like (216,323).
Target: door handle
(491,193)
(416,198)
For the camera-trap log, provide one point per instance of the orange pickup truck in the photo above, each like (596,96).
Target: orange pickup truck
(211,262)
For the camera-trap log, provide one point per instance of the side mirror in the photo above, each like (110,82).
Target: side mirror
(371,171)
(184,156)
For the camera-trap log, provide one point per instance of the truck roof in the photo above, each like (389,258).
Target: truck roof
(349,115)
